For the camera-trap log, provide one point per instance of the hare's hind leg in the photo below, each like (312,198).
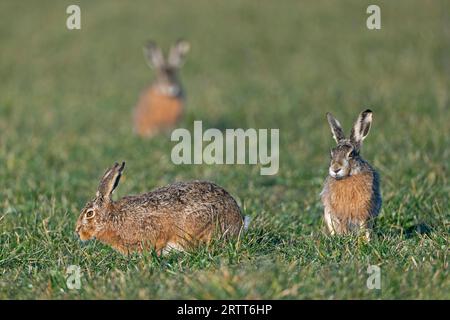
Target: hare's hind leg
(172,246)
(365,227)
(329,221)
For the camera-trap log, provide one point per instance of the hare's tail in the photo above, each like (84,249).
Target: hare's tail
(247,220)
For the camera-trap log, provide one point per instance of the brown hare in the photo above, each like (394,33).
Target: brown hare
(160,106)
(351,194)
(179,216)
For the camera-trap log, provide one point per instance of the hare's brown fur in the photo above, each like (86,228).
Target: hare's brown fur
(352,202)
(349,198)
(156,112)
(351,194)
(179,216)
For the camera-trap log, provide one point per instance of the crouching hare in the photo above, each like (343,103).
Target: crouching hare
(160,106)
(179,216)
(351,194)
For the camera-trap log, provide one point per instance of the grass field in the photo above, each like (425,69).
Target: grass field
(65,116)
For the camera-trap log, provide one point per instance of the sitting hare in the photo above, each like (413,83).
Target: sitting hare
(179,216)
(160,106)
(351,194)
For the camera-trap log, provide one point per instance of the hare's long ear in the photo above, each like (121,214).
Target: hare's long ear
(109,181)
(361,128)
(177,53)
(336,128)
(154,55)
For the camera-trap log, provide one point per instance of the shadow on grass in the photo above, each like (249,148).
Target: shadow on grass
(409,232)
(420,228)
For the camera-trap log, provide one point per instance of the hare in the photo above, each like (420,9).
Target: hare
(178,217)
(160,106)
(351,194)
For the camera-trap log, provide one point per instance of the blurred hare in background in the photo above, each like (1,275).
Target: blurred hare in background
(161,105)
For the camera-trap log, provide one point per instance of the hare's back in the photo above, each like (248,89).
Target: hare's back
(183,212)
(198,207)
(193,197)
(185,199)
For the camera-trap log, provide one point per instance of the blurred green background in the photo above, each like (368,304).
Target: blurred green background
(66,99)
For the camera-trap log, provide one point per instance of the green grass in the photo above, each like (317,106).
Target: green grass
(65,109)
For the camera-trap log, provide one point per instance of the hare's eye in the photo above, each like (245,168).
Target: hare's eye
(351,154)
(90,214)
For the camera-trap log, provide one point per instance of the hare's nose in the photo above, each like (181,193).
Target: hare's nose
(336,170)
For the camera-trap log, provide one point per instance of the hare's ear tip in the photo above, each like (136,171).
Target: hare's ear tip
(120,165)
(183,42)
(150,44)
(367,111)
